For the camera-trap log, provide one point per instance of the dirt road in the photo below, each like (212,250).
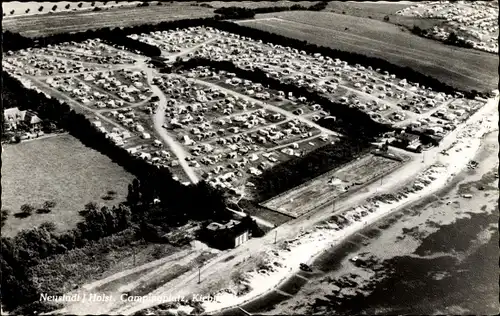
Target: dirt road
(159,121)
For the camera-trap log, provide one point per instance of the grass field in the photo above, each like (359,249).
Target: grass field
(34,6)
(64,22)
(61,169)
(375,9)
(301,200)
(462,68)
(258,4)
(379,10)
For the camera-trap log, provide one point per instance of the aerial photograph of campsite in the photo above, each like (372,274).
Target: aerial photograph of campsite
(250,158)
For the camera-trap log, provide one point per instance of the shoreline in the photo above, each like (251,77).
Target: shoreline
(451,189)
(467,152)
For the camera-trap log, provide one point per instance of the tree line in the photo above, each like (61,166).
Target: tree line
(133,45)
(249,13)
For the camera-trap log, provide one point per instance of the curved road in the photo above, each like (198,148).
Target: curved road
(159,120)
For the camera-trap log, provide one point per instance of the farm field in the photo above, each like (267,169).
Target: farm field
(59,169)
(328,186)
(378,10)
(17,8)
(365,9)
(258,4)
(461,68)
(67,22)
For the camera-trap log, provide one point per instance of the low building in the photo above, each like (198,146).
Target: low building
(224,236)
(13,117)
(408,139)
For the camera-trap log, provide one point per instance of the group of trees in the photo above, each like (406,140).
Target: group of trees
(249,13)
(235,13)
(29,247)
(116,38)
(452,38)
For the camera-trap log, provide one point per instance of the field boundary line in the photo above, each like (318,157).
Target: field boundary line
(311,180)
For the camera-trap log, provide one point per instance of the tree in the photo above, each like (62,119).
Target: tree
(91,206)
(452,37)
(54,8)
(12,12)
(386,18)
(40,9)
(67,6)
(27,10)
(48,226)
(92,4)
(80,5)
(4,215)
(48,205)
(27,209)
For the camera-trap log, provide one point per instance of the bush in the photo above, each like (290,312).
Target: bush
(27,209)
(48,226)
(4,216)
(49,204)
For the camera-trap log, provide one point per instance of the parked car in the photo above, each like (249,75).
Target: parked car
(305,267)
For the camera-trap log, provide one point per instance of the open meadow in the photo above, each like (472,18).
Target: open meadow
(375,9)
(59,169)
(325,188)
(17,8)
(258,4)
(68,22)
(462,68)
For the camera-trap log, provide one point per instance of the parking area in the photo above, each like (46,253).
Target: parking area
(210,124)
(229,134)
(382,95)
